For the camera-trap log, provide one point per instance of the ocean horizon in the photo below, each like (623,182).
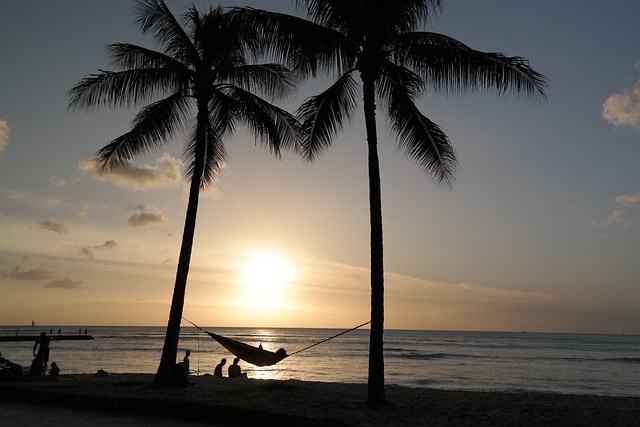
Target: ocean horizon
(596,364)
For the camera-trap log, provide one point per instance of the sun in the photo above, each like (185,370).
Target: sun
(265,276)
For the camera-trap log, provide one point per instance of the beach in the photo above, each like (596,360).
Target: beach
(241,402)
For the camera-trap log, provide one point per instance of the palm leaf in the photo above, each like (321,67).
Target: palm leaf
(323,115)
(450,67)
(152,127)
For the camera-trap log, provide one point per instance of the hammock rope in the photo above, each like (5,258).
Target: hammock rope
(272,358)
(330,338)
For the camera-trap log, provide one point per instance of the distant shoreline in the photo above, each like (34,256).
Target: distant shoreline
(301,403)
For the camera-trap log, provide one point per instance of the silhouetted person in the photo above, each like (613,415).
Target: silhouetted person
(185,361)
(54,371)
(218,369)
(37,368)
(43,342)
(235,371)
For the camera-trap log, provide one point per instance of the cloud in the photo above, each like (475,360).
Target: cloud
(146,216)
(628,200)
(67,283)
(84,214)
(57,182)
(619,215)
(88,251)
(623,109)
(4,135)
(139,177)
(53,225)
(29,270)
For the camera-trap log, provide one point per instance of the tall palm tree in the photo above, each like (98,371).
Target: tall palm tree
(200,83)
(381,42)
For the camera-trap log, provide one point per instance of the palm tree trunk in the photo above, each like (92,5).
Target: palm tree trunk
(375,386)
(164,375)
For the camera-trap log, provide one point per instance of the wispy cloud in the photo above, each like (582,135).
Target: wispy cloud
(146,216)
(88,251)
(67,283)
(620,213)
(54,226)
(4,135)
(140,177)
(628,200)
(58,182)
(623,109)
(30,270)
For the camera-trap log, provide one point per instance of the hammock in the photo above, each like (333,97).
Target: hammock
(257,355)
(254,355)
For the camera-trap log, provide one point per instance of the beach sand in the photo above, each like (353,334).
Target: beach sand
(242,402)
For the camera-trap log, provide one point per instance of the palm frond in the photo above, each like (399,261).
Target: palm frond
(214,158)
(407,15)
(305,46)
(153,126)
(120,89)
(273,80)
(155,16)
(450,67)
(126,56)
(274,127)
(420,138)
(392,76)
(323,115)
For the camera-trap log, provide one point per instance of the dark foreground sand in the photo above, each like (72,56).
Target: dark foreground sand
(296,403)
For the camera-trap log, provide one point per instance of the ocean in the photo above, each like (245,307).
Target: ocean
(452,360)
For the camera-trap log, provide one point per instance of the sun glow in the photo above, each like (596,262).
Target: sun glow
(265,277)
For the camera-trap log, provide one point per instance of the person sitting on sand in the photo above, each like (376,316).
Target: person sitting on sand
(54,371)
(235,371)
(38,367)
(185,361)
(218,370)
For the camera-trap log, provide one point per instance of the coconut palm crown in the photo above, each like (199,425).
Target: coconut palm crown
(378,49)
(200,84)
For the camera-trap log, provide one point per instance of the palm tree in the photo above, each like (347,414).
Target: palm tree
(199,83)
(380,42)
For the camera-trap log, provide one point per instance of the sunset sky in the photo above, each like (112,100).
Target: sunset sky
(541,231)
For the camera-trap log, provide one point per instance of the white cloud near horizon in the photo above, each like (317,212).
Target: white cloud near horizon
(623,109)
(140,177)
(4,135)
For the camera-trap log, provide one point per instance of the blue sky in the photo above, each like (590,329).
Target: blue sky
(541,230)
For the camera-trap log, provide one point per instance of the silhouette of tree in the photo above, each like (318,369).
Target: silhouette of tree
(200,83)
(380,41)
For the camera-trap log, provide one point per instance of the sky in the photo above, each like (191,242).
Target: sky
(541,231)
